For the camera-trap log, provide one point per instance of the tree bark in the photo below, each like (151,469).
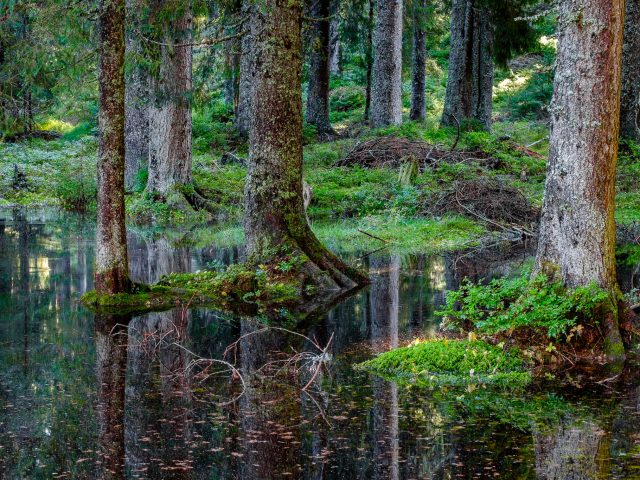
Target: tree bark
(630,98)
(470,81)
(111,274)
(136,114)
(274,211)
(369,61)
(170,109)
(577,229)
(243,111)
(386,81)
(334,38)
(418,74)
(318,94)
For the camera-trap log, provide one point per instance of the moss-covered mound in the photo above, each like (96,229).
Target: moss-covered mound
(239,288)
(451,362)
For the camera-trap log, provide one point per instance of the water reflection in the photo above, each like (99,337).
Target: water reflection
(84,397)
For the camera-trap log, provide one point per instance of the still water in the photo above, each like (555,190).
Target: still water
(86,396)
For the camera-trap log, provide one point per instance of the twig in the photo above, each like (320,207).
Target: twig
(373,236)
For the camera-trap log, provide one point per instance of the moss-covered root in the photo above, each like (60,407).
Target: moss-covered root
(452,362)
(241,288)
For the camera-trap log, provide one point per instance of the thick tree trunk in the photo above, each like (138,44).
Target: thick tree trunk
(136,114)
(111,275)
(386,81)
(577,228)
(418,73)
(243,112)
(369,61)
(274,211)
(630,98)
(170,109)
(470,81)
(318,95)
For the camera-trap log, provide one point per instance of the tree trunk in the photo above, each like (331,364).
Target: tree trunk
(243,112)
(577,228)
(386,81)
(470,81)
(170,110)
(630,99)
(111,274)
(334,38)
(418,74)
(274,211)
(136,114)
(318,95)
(369,61)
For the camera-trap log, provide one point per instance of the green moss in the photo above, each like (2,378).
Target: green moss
(239,287)
(452,362)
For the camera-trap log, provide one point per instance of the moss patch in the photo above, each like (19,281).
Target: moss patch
(452,362)
(239,288)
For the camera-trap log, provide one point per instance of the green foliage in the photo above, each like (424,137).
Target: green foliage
(347,97)
(507,304)
(452,362)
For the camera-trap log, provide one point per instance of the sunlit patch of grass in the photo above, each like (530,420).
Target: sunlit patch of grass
(401,235)
(55,125)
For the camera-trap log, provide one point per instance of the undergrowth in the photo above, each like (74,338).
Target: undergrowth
(538,305)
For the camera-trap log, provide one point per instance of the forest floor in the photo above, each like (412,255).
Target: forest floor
(416,187)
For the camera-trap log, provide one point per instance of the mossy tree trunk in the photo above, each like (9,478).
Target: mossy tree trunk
(630,99)
(418,73)
(577,229)
(111,275)
(318,95)
(136,97)
(386,81)
(170,109)
(470,81)
(274,211)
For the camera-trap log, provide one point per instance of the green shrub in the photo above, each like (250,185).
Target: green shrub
(538,304)
(346,98)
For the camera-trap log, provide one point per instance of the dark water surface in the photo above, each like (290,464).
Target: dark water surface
(84,396)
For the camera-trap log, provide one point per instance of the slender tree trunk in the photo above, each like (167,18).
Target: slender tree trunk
(318,95)
(136,125)
(243,112)
(386,81)
(274,211)
(418,74)
(111,275)
(170,111)
(369,61)
(334,38)
(577,228)
(470,81)
(630,99)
